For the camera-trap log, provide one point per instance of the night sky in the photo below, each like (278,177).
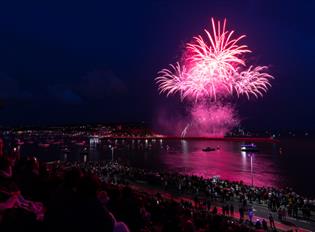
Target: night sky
(72,62)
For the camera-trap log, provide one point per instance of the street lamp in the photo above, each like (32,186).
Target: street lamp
(112,149)
(245,155)
(251,168)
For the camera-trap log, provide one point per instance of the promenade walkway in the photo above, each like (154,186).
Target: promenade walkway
(260,211)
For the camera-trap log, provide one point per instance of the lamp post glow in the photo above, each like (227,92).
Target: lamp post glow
(112,153)
(251,168)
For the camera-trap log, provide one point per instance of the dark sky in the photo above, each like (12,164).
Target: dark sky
(69,62)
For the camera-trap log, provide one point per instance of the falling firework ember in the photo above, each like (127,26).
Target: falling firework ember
(213,120)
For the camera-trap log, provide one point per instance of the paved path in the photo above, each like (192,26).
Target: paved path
(260,211)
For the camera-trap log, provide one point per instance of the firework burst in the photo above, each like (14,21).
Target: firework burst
(213,67)
(253,81)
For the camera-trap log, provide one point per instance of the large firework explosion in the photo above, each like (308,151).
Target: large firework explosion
(211,70)
(214,66)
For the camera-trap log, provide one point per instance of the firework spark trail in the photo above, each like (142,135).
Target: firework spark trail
(252,81)
(184,132)
(172,80)
(214,68)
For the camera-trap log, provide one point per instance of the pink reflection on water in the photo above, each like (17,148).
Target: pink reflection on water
(228,163)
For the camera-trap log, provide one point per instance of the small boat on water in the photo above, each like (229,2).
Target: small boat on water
(19,142)
(65,150)
(85,151)
(44,145)
(207,149)
(249,148)
(81,143)
(57,142)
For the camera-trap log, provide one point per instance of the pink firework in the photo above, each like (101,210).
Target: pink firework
(213,120)
(214,67)
(172,80)
(177,80)
(253,81)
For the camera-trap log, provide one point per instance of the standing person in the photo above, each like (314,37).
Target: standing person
(250,214)
(16,214)
(290,210)
(245,203)
(284,214)
(196,201)
(295,210)
(249,195)
(165,185)
(271,221)
(9,191)
(280,214)
(264,225)
(1,147)
(241,211)
(227,209)
(208,202)
(232,210)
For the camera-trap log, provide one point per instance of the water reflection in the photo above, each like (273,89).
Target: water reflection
(228,162)
(184,146)
(266,168)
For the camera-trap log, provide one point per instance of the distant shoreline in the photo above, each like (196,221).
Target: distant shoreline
(237,139)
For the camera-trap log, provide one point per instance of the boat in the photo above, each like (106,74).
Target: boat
(207,149)
(19,142)
(65,150)
(85,151)
(44,145)
(249,148)
(57,142)
(81,143)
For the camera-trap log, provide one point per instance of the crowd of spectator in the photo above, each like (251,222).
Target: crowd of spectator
(97,196)
(283,201)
